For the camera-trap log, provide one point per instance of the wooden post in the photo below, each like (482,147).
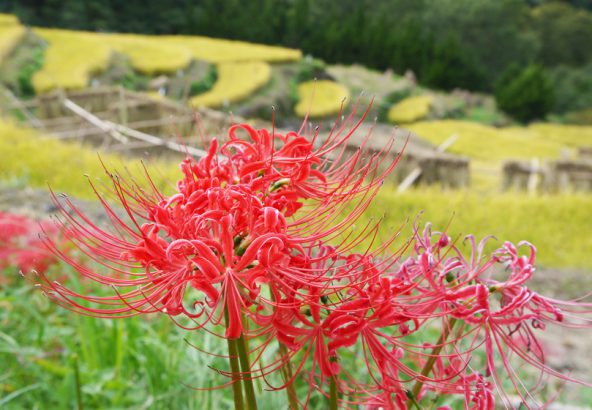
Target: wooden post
(122,106)
(533,178)
(416,172)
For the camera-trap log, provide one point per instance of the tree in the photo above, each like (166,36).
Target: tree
(494,33)
(526,96)
(451,67)
(565,33)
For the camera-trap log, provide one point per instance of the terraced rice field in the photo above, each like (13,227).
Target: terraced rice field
(73,56)
(231,86)
(11,32)
(411,109)
(321,98)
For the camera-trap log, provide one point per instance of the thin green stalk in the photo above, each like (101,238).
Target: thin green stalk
(237,390)
(78,383)
(333,394)
(288,375)
(427,368)
(243,356)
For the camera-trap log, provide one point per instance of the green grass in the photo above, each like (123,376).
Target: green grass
(134,363)
(137,363)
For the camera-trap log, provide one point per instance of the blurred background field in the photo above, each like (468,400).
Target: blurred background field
(493,96)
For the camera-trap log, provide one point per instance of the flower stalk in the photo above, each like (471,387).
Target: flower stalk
(429,365)
(247,380)
(288,376)
(333,393)
(237,389)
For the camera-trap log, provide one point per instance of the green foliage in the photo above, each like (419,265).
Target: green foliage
(310,69)
(26,72)
(527,95)
(490,35)
(135,363)
(565,34)
(206,82)
(134,81)
(572,88)
(452,67)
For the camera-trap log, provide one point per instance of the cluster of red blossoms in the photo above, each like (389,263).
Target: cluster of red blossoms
(20,244)
(258,240)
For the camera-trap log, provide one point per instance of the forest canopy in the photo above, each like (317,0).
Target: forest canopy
(446,43)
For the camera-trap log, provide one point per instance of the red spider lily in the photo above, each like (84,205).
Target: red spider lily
(223,233)
(257,239)
(20,244)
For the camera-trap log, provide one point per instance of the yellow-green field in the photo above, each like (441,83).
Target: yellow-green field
(148,55)
(495,144)
(231,85)
(40,161)
(488,147)
(558,225)
(73,56)
(223,51)
(11,32)
(411,109)
(320,98)
(69,62)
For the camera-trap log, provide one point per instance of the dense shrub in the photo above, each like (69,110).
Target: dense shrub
(525,94)
(206,82)
(453,67)
(311,68)
(25,74)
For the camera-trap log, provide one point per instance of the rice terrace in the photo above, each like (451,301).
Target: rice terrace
(281,205)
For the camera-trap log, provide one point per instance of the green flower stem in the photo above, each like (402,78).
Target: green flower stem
(427,368)
(78,383)
(237,391)
(243,356)
(333,393)
(288,375)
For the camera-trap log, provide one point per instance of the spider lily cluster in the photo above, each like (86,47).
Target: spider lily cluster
(258,241)
(20,245)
